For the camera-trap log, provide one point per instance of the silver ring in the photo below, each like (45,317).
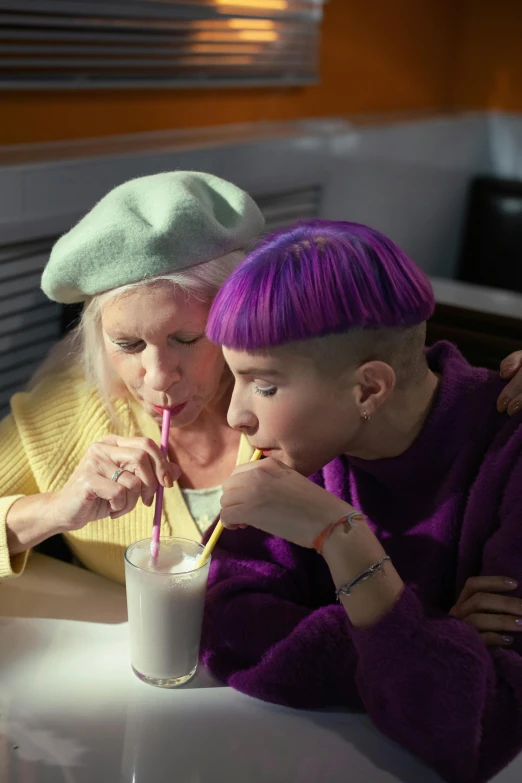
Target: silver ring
(117,473)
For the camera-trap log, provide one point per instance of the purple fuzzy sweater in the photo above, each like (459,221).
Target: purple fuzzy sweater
(447,509)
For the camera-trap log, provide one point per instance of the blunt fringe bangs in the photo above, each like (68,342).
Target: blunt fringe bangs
(317,278)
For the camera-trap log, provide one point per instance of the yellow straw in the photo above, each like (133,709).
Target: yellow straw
(212,541)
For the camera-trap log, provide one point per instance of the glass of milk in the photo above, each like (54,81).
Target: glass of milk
(165,605)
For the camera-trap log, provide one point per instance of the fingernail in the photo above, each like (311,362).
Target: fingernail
(506,369)
(519,621)
(167,480)
(507,639)
(511,582)
(502,408)
(514,409)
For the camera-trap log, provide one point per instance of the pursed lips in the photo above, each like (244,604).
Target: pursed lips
(172,408)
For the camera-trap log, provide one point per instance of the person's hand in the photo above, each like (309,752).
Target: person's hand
(496,617)
(510,398)
(270,496)
(91,493)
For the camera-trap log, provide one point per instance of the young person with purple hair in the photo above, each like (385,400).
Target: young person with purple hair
(389,581)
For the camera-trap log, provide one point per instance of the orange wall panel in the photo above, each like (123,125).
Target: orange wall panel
(376,56)
(488,70)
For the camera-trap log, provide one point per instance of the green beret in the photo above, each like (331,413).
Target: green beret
(148,227)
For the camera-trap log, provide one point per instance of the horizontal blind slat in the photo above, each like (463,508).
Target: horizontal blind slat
(21,266)
(27,299)
(16,340)
(283,209)
(17,285)
(16,378)
(35,352)
(21,321)
(197,9)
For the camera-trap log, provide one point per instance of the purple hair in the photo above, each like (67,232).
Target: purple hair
(316,278)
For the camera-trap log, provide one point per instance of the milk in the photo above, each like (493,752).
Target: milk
(165,605)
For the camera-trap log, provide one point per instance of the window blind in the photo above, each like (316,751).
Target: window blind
(29,322)
(52,44)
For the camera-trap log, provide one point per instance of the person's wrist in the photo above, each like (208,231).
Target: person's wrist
(350,549)
(30,520)
(51,516)
(322,527)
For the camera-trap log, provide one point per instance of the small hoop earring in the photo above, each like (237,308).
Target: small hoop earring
(366,416)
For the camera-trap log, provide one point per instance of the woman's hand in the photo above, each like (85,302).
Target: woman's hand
(270,496)
(510,399)
(494,616)
(91,493)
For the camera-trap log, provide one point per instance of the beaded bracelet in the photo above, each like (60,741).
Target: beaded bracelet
(352,518)
(347,588)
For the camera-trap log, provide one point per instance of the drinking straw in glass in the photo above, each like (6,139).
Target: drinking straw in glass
(154,544)
(212,541)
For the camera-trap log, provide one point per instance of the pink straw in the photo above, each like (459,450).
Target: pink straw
(154,544)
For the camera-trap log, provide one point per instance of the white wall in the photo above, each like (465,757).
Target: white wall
(408,178)
(505,144)
(48,189)
(410,181)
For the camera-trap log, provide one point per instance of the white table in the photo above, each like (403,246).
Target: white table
(71,711)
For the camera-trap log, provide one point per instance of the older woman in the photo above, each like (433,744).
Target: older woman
(411,520)
(79,453)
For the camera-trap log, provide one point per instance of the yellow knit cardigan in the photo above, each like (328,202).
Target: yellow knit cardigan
(43,439)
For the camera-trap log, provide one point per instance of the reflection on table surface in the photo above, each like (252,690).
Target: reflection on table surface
(77,715)
(71,711)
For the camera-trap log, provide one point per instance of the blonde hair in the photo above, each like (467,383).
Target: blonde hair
(85,346)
